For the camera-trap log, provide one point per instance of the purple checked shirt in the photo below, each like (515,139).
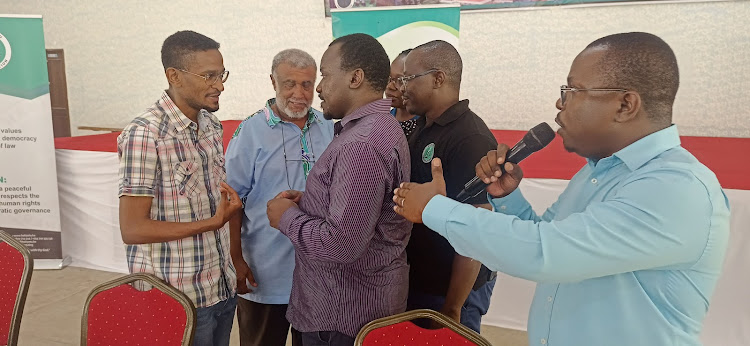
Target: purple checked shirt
(349,243)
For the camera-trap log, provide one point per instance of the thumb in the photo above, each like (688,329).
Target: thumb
(437,171)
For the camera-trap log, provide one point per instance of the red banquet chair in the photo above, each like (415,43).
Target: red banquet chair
(399,330)
(16,266)
(116,313)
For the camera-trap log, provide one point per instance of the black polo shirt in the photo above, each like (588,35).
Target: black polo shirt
(459,138)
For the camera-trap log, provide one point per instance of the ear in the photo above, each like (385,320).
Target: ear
(173,77)
(440,79)
(356,78)
(273,82)
(630,107)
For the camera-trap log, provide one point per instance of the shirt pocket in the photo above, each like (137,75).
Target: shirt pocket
(186,178)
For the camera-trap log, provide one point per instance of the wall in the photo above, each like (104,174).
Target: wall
(514,61)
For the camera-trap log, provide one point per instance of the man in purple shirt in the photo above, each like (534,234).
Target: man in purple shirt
(350,246)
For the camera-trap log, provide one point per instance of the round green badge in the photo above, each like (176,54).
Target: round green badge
(428,153)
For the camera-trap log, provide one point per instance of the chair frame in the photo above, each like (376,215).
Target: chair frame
(23,287)
(187,304)
(421,313)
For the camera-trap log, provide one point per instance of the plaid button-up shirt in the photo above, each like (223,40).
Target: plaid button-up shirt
(179,163)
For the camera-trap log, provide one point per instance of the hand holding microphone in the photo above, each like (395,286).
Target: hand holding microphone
(498,172)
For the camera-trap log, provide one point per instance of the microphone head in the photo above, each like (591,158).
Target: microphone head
(539,136)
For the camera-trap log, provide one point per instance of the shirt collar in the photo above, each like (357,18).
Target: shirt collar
(452,113)
(175,115)
(272,119)
(643,150)
(378,106)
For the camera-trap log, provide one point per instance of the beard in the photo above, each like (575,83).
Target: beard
(284,103)
(197,105)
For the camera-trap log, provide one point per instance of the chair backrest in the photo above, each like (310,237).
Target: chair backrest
(116,313)
(398,330)
(16,267)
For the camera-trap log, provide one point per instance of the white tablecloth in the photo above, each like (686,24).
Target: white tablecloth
(91,237)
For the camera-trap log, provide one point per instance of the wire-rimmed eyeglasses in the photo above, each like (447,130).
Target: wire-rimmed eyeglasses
(564,89)
(210,78)
(402,81)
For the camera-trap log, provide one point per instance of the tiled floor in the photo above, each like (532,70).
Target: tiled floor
(55,303)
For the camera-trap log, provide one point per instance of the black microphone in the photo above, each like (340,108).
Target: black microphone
(537,138)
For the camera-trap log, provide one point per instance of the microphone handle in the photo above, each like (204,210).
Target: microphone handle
(475,186)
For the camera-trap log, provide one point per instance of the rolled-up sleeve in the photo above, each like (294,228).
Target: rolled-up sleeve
(136,148)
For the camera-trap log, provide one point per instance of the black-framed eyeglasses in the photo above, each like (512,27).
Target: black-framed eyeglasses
(395,81)
(306,158)
(564,89)
(210,78)
(402,81)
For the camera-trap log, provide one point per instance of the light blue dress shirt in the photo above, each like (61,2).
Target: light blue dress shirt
(628,255)
(258,171)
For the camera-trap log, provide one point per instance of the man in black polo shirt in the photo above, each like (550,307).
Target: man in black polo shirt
(439,278)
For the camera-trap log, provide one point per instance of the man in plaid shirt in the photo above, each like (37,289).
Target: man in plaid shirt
(174,201)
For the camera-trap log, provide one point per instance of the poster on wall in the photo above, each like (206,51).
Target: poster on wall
(400,28)
(29,206)
(465,4)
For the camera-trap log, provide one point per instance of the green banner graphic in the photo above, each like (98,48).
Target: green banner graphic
(399,28)
(23,70)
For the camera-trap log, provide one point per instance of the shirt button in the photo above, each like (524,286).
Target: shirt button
(594,181)
(543,341)
(549,299)
(502,207)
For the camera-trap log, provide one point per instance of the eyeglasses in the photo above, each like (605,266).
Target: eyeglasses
(401,81)
(564,89)
(307,159)
(290,84)
(210,78)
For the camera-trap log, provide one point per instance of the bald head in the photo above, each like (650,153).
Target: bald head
(644,63)
(443,56)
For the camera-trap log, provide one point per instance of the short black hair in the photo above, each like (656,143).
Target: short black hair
(365,52)
(644,63)
(443,56)
(178,48)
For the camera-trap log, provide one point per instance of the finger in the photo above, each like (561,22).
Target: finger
(231,193)
(437,170)
(484,170)
(493,167)
(402,192)
(242,287)
(502,151)
(398,200)
(251,280)
(514,171)
(398,210)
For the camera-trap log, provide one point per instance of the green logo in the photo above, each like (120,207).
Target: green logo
(428,153)
(5,53)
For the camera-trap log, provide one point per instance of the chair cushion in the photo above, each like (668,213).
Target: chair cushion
(407,333)
(11,271)
(123,315)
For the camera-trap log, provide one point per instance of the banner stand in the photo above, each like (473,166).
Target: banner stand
(29,204)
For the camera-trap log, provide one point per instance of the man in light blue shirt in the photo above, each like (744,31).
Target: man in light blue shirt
(272,151)
(631,251)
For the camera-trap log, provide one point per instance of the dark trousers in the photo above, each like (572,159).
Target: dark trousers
(475,306)
(326,339)
(263,324)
